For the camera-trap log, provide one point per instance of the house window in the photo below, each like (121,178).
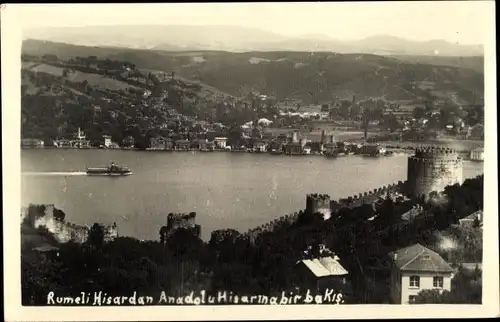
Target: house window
(437,282)
(415,281)
(412,299)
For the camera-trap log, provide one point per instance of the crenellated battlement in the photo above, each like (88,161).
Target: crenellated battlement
(317,197)
(435,152)
(451,160)
(367,197)
(321,203)
(182,221)
(181,216)
(48,216)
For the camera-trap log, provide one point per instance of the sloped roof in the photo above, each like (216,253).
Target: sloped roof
(45,248)
(473,216)
(419,258)
(325,266)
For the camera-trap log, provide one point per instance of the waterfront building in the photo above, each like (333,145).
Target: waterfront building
(182,145)
(157,143)
(416,268)
(63,143)
(81,144)
(80,140)
(169,144)
(128,142)
(32,143)
(370,149)
(293,148)
(220,142)
(204,145)
(330,149)
(276,147)
(316,147)
(259,146)
(477,154)
(107,141)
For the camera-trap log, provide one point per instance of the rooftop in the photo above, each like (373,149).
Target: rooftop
(45,248)
(419,258)
(325,266)
(477,214)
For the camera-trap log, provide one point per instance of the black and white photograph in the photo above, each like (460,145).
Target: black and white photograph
(314,156)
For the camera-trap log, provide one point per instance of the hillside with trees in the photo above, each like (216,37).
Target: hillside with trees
(104,96)
(311,77)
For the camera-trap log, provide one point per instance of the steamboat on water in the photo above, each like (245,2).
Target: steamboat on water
(111,170)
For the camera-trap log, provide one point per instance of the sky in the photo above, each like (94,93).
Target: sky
(459,22)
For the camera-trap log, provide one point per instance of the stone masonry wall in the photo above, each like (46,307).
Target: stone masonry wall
(432,169)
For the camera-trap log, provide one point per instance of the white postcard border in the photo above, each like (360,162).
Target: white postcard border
(14,311)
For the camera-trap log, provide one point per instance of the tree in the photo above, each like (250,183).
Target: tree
(163,234)
(184,244)
(344,109)
(96,236)
(433,297)
(59,215)
(476,223)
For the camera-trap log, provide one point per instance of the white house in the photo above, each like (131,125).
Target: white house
(107,141)
(477,154)
(220,142)
(416,268)
(470,219)
(320,270)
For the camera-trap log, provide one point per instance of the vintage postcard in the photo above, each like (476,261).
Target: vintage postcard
(217,161)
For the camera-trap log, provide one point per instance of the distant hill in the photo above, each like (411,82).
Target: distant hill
(240,39)
(473,62)
(311,77)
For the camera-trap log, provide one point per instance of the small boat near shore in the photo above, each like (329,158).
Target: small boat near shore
(111,170)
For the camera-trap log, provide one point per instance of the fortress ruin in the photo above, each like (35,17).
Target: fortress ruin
(432,169)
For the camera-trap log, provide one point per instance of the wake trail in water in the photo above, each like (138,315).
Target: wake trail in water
(54,173)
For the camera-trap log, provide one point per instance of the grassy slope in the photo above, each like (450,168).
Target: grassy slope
(309,77)
(76,76)
(475,63)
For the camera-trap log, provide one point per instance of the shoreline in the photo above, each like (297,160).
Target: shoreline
(395,149)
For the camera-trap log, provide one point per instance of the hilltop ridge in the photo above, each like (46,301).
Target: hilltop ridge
(241,39)
(311,77)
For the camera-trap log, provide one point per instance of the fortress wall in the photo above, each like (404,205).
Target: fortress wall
(180,220)
(318,203)
(321,203)
(43,216)
(367,197)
